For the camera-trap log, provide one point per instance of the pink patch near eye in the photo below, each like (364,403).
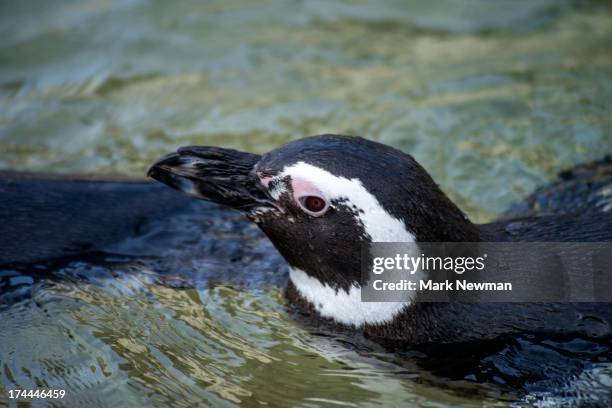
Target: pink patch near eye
(302,188)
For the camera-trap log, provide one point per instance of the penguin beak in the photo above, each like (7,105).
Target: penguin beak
(224,176)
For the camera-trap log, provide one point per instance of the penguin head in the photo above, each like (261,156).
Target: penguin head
(321,200)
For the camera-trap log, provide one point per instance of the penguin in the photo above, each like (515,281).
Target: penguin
(321,198)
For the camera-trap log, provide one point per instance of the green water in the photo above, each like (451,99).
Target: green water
(493,98)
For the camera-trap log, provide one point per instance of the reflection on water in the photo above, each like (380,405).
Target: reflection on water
(491,97)
(119,338)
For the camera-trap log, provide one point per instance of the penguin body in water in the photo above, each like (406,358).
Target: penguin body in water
(320,199)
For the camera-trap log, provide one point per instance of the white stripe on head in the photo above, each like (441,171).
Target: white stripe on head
(378,223)
(342,306)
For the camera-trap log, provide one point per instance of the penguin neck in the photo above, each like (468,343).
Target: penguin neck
(343,305)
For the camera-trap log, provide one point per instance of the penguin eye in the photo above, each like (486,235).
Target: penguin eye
(313,205)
